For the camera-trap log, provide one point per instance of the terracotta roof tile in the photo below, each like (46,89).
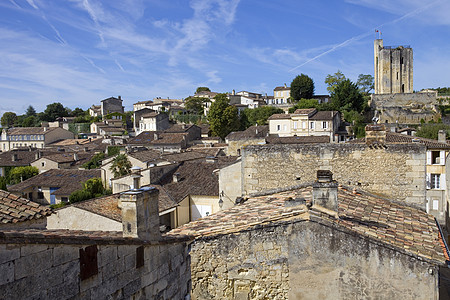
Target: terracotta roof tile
(14,209)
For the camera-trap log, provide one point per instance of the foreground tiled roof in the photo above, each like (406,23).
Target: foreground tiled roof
(279,117)
(68,181)
(14,209)
(404,228)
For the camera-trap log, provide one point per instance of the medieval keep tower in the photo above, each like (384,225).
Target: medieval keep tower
(393,68)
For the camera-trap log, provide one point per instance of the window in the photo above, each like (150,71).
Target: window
(295,125)
(324,125)
(435,157)
(435,204)
(435,181)
(64,199)
(304,125)
(278,127)
(311,125)
(284,127)
(43,164)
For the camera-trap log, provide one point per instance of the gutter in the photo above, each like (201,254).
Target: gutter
(444,241)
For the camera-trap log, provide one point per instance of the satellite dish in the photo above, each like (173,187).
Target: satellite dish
(375,120)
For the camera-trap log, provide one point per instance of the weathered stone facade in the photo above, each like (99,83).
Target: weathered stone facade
(393,68)
(306,260)
(409,108)
(52,271)
(395,171)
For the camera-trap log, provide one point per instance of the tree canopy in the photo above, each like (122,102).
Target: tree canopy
(365,83)
(430,130)
(202,89)
(346,97)
(8,119)
(259,115)
(92,188)
(222,117)
(120,166)
(195,105)
(302,87)
(54,111)
(333,80)
(30,111)
(19,174)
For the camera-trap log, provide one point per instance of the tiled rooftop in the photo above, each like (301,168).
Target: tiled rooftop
(406,229)
(30,130)
(298,139)
(14,209)
(251,132)
(398,138)
(68,181)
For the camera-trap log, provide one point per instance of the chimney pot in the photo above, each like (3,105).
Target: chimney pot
(442,136)
(325,191)
(14,157)
(176,177)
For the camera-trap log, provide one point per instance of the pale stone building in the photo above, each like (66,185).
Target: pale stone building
(393,68)
(36,137)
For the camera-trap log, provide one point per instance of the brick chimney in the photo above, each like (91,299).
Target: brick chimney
(325,191)
(140,215)
(375,134)
(14,157)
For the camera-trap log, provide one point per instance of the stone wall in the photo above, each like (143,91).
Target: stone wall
(58,271)
(306,260)
(396,172)
(234,146)
(408,108)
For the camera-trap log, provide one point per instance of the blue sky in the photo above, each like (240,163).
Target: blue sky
(79,52)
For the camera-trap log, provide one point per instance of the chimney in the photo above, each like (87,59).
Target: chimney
(442,137)
(325,191)
(38,154)
(75,156)
(119,97)
(86,149)
(176,177)
(140,215)
(155,136)
(136,175)
(375,134)
(285,85)
(233,93)
(14,157)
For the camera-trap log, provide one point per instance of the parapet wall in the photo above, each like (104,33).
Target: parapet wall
(93,271)
(396,171)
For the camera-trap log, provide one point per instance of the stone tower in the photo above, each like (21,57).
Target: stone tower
(393,68)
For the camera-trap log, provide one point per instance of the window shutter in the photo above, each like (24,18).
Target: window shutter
(428,180)
(428,157)
(443,183)
(442,158)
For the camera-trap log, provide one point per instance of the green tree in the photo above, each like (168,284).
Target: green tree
(346,96)
(202,89)
(365,83)
(223,118)
(8,119)
(78,112)
(94,186)
(113,150)
(302,87)
(195,105)
(19,174)
(120,166)
(29,121)
(333,80)
(54,111)
(3,182)
(79,195)
(94,162)
(430,131)
(30,111)
(259,115)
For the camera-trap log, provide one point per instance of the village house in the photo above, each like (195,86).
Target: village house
(53,186)
(254,135)
(142,104)
(36,137)
(271,244)
(153,121)
(61,160)
(308,122)
(20,158)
